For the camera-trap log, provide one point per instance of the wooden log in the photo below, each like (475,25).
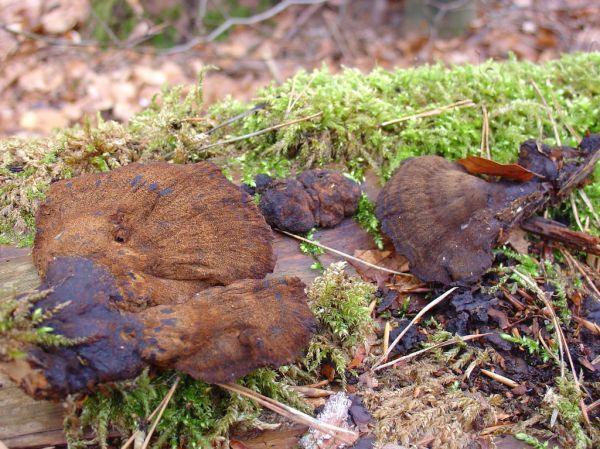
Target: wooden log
(27,423)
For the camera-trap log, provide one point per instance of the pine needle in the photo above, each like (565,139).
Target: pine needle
(432,112)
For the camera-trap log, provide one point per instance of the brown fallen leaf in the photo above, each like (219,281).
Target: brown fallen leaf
(358,358)
(479,166)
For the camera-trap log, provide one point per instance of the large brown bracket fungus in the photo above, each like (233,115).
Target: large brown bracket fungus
(446,221)
(317,198)
(161,264)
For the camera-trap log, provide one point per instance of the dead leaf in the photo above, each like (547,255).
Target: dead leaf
(479,166)
(358,357)
(237,444)
(328,371)
(386,259)
(517,238)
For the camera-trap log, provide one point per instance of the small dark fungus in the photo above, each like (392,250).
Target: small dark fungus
(317,198)
(446,221)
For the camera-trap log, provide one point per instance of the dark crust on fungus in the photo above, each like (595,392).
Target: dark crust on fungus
(164,231)
(286,205)
(111,350)
(445,221)
(317,198)
(334,195)
(224,333)
(219,335)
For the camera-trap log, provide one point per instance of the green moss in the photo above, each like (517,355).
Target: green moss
(197,416)
(340,303)
(352,107)
(22,324)
(365,216)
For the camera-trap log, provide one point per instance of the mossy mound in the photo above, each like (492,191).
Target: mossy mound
(350,107)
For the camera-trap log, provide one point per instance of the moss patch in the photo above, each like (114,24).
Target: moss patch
(352,106)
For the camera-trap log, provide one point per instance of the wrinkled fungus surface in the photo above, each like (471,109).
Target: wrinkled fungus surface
(317,198)
(159,264)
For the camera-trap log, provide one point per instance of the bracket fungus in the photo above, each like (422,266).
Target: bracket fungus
(317,198)
(163,265)
(446,221)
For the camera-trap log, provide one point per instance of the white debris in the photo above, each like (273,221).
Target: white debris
(335,412)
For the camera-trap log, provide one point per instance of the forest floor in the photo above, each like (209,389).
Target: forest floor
(55,76)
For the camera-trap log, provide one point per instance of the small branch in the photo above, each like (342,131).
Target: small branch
(503,380)
(258,133)
(232,21)
(415,320)
(160,413)
(557,231)
(431,112)
(342,435)
(412,355)
(548,111)
(340,253)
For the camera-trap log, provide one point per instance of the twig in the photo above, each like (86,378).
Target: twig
(258,133)
(548,111)
(150,416)
(431,112)
(485,135)
(47,39)
(160,413)
(340,253)
(412,355)
(574,261)
(343,435)
(576,212)
(386,336)
(302,19)
(235,118)
(590,206)
(232,21)
(415,320)
(503,380)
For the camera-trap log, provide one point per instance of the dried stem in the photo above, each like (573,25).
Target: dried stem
(259,132)
(154,412)
(160,413)
(431,112)
(502,379)
(412,355)
(485,135)
(548,111)
(415,320)
(343,435)
(340,253)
